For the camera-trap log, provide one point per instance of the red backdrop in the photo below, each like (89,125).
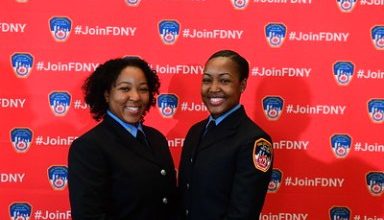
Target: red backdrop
(316,85)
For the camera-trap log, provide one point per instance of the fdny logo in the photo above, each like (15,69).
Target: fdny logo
(59,102)
(132,2)
(275,182)
(169,31)
(377,36)
(239,4)
(22,64)
(342,213)
(376,110)
(346,5)
(275,34)
(341,145)
(60,28)
(58,177)
(167,104)
(262,154)
(21,139)
(273,107)
(20,211)
(375,183)
(343,72)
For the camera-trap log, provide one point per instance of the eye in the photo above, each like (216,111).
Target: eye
(144,89)
(206,80)
(225,81)
(124,88)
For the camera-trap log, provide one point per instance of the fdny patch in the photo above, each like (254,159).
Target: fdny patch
(60,28)
(20,210)
(275,182)
(377,36)
(343,72)
(22,64)
(167,104)
(262,154)
(376,110)
(375,183)
(58,177)
(340,213)
(169,31)
(275,34)
(273,107)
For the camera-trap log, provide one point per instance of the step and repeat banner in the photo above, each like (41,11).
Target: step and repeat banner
(316,85)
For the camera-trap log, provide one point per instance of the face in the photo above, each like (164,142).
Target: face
(221,87)
(129,96)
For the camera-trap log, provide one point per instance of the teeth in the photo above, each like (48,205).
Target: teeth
(132,109)
(216,100)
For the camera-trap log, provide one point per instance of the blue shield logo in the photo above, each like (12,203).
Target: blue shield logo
(346,5)
(22,64)
(275,34)
(343,72)
(20,211)
(376,110)
(375,183)
(21,139)
(169,31)
(377,36)
(273,107)
(341,145)
(167,104)
(58,177)
(59,102)
(60,28)
(339,213)
(239,4)
(275,182)
(132,2)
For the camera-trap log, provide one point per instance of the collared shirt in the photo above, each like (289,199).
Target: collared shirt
(221,118)
(129,127)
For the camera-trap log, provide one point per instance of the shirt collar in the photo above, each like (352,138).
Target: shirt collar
(132,129)
(222,117)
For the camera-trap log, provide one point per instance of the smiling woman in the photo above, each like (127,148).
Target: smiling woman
(111,173)
(225,170)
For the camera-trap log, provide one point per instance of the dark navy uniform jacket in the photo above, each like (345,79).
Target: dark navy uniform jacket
(225,174)
(113,176)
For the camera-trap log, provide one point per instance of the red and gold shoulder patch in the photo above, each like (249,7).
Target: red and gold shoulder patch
(262,154)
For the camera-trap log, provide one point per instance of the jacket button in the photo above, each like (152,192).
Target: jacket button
(188,186)
(163,172)
(165,200)
(186,212)
(191,160)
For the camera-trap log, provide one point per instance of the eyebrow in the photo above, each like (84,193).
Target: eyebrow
(220,74)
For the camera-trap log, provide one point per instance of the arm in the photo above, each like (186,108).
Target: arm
(87,179)
(251,181)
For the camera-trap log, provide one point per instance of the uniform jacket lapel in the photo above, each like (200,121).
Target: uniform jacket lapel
(225,129)
(130,141)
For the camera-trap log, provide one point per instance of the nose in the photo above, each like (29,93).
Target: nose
(214,86)
(134,95)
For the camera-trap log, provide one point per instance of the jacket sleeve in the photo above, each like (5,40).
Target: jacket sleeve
(250,183)
(87,179)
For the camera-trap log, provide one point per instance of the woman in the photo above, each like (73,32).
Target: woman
(112,173)
(226,161)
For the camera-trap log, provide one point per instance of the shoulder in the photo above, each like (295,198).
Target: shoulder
(249,128)
(91,138)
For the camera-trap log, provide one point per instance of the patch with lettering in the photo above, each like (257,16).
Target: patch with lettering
(262,154)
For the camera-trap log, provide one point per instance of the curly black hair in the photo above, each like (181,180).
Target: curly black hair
(105,76)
